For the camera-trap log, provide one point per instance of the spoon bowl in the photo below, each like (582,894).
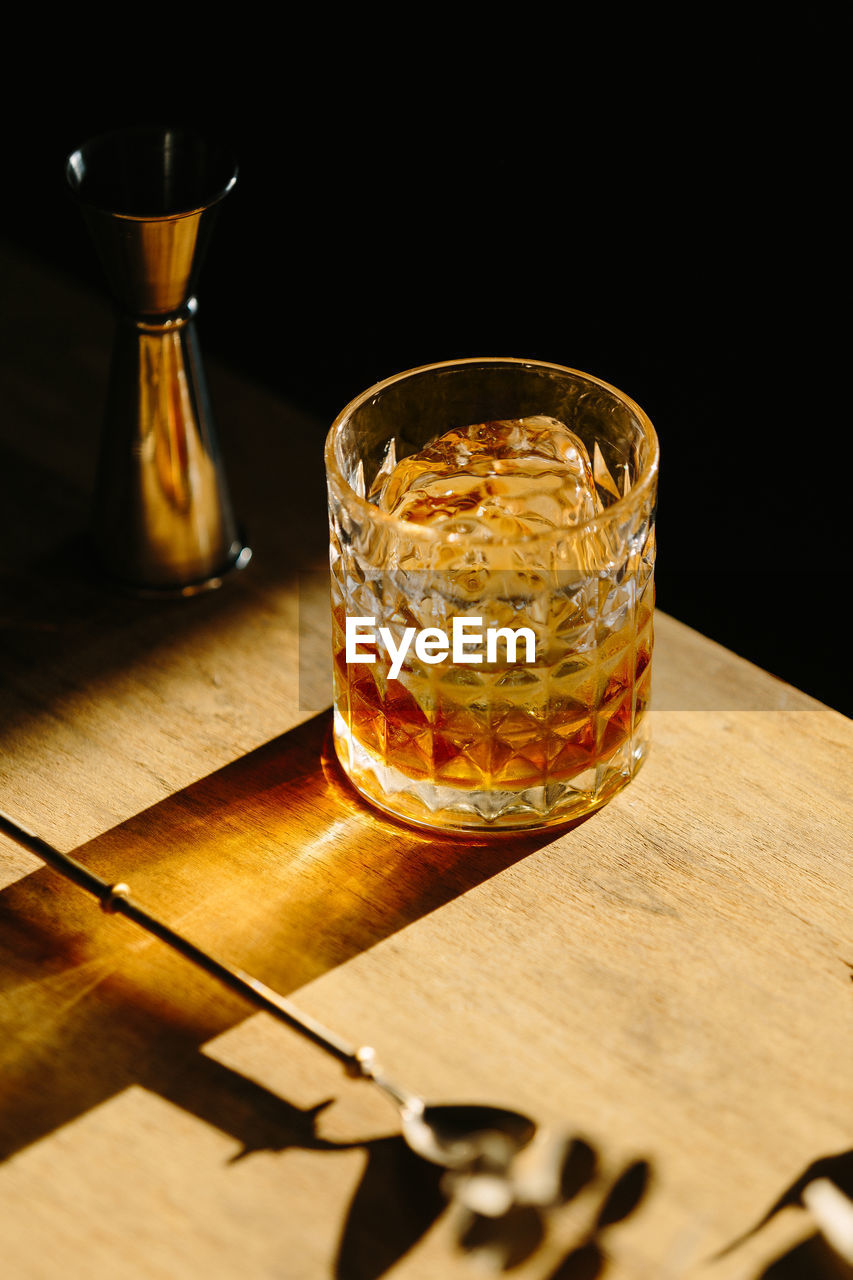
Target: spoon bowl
(454,1134)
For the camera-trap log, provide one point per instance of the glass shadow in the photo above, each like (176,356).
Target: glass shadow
(271,863)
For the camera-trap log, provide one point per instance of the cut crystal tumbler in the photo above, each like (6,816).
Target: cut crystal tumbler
(492,561)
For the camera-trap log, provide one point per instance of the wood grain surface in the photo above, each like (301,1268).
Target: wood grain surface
(668,983)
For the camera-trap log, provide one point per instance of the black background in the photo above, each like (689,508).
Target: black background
(662,205)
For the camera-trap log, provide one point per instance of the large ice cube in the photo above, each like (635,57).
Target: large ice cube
(506,479)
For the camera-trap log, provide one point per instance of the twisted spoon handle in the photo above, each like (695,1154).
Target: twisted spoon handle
(116,898)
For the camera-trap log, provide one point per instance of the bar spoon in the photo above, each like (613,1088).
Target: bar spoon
(447,1134)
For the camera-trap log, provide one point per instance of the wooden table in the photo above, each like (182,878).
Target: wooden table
(669,983)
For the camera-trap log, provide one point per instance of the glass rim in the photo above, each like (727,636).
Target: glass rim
(433,533)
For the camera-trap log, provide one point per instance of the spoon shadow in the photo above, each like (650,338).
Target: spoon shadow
(396,1200)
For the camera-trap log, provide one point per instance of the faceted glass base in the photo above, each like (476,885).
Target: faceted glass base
(470,811)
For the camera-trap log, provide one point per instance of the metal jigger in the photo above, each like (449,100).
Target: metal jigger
(162,520)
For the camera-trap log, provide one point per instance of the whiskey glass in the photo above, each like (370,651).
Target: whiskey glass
(530,734)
